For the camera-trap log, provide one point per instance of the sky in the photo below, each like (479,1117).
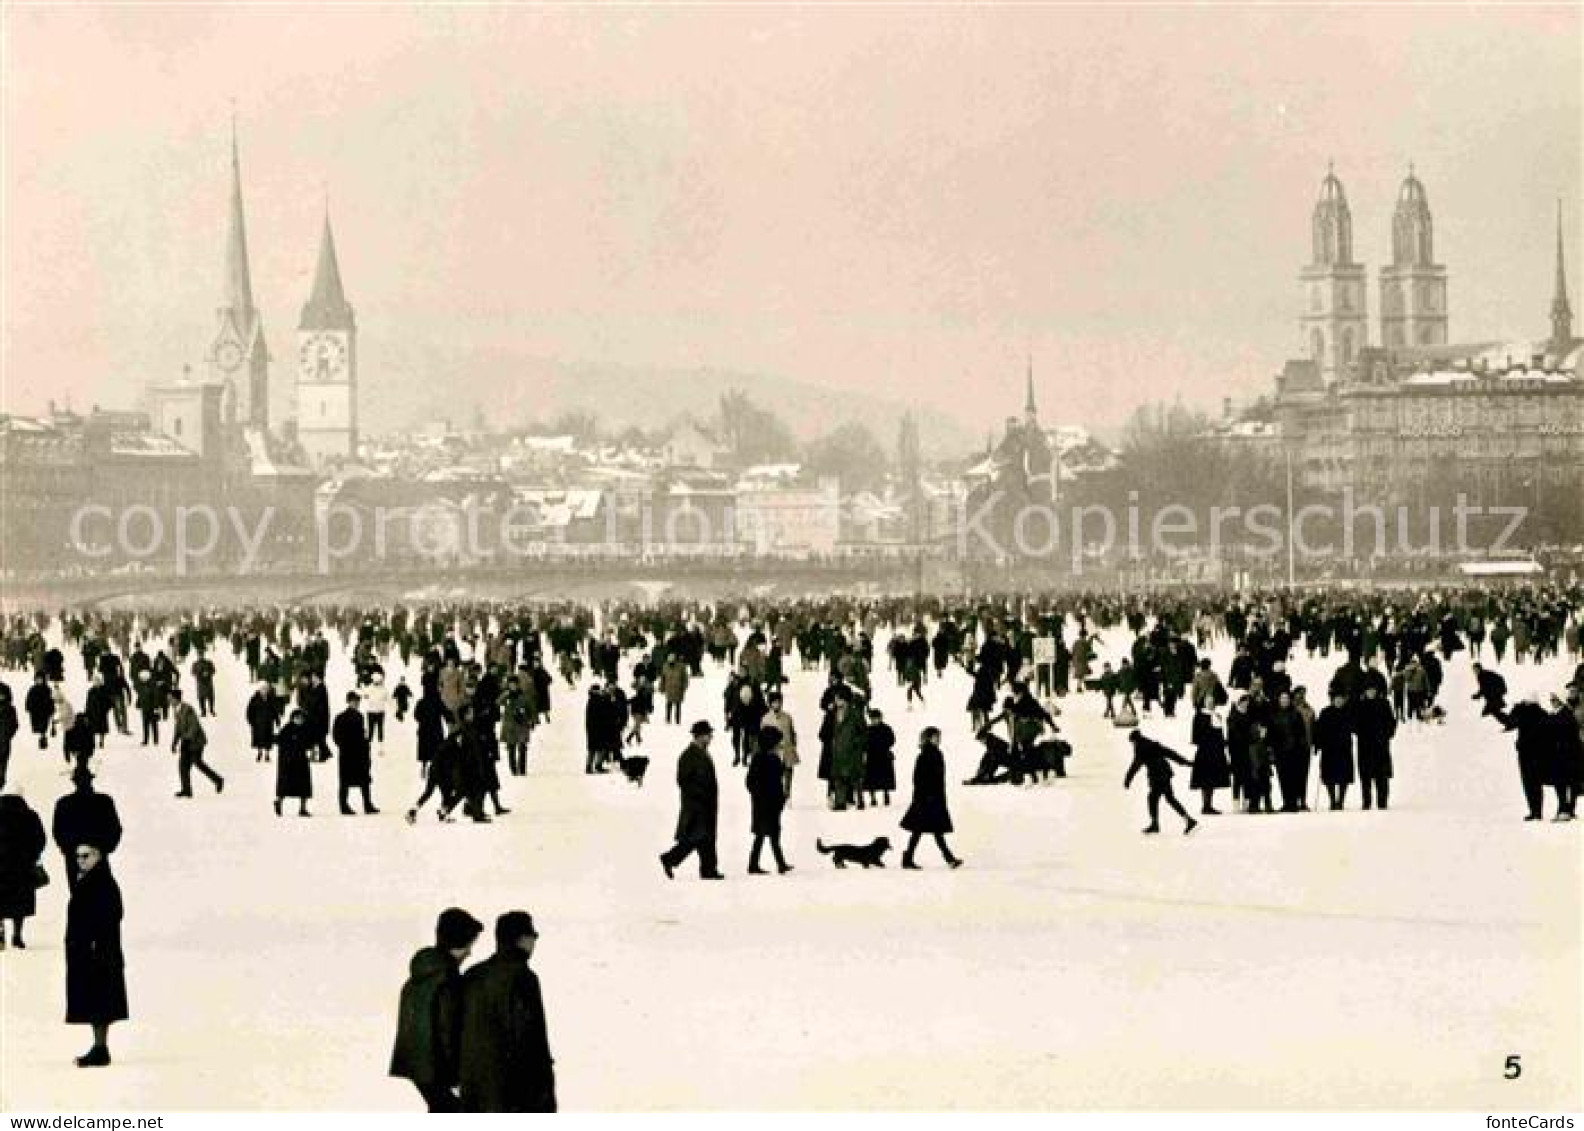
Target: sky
(908,200)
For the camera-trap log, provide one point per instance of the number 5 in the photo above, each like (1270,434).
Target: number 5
(1514,1069)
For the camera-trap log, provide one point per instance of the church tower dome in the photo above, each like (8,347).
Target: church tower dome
(1333,320)
(1333,224)
(1414,286)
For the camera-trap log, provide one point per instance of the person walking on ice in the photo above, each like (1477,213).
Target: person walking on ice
(1155,760)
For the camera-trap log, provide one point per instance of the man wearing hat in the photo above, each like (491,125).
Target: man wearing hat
(84,817)
(190,740)
(353,764)
(429,1018)
(505,1062)
(699,818)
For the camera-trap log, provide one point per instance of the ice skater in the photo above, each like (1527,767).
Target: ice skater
(1155,760)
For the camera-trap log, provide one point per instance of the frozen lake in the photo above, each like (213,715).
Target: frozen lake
(1320,961)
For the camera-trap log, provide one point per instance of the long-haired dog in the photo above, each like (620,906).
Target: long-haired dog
(871,855)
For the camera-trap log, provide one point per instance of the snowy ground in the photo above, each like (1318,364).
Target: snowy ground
(1355,960)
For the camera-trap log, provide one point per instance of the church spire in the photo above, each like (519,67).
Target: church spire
(1029,412)
(327,307)
(238,281)
(1561,312)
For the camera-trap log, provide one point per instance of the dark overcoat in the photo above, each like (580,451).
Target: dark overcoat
(700,814)
(1333,737)
(1211,768)
(293,772)
(1374,724)
(95,969)
(505,1062)
(21,844)
(766,777)
(429,1020)
(927,812)
(352,748)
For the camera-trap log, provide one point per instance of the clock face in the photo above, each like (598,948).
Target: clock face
(323,358)
(229,356)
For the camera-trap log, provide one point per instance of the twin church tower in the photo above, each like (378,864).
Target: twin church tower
(1413,287)
(238,359)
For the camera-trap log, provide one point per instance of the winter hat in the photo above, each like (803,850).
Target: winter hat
(456,929)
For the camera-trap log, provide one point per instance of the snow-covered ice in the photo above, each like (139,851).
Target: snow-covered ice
(1322,961)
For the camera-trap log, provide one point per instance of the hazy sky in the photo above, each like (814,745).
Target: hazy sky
(903,199)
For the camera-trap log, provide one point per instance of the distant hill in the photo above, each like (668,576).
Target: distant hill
(418,382)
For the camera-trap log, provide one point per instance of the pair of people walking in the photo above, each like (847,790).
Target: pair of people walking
(476,1041)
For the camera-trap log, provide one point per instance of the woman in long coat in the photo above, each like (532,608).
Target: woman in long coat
(1333,738)
(22,842)
(261,718)
(927,812)
(1211,769)
(766,774)
(293,771)
(95,968)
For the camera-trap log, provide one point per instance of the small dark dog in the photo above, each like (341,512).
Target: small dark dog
(871,855)
(635,768)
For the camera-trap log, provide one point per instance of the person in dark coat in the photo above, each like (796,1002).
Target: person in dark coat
(766,788)
(505,1062)
(261,719)
(1211,769)
(353,764)
(1567,754)
(190,740)
(1536,753)
(294,769)
(1289,747)
(95,968)
(1155,760)
(1492,688)
(927,811)
(22,842)
(40,707)
(1333,738)
(79,742)
(84,817)
(879,757)
(8,730)
(700,813)
(1374,722)
(429,1017)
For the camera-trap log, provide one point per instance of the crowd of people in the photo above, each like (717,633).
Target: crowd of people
(472,683)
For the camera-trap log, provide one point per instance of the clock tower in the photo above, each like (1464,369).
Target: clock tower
(327,363)
(238,359)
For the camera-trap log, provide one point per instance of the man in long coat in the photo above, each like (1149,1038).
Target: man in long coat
(352,754)
(95,976)
(699,818)
(505,1062)
(1374,723)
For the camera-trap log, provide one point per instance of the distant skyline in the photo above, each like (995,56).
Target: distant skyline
(903,201)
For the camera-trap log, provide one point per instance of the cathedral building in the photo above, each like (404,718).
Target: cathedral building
(226,408)
(1415,417)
